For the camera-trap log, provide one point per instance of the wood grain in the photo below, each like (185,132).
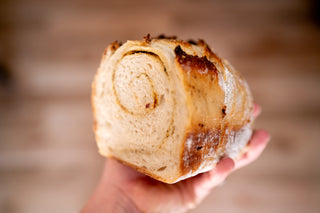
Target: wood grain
(50,50)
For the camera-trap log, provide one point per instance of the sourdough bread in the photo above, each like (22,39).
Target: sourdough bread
(169,108)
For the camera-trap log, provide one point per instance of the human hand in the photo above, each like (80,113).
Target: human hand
(123,189)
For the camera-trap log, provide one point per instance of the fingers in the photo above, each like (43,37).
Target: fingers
(256,110)
(203,183)
(257,144)
(217,175)
(224,167)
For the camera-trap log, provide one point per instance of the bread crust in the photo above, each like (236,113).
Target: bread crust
(143,170)
(205,140)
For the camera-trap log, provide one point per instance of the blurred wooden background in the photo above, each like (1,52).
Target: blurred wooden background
(49,52)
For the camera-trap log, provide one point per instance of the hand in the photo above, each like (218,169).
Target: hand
(122,189)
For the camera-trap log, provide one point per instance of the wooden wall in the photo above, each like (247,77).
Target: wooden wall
(49,52)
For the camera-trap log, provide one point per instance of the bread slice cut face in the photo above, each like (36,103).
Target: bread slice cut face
(169,108)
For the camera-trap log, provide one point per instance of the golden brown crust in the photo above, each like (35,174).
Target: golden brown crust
(197,64)
(201,80)
(206,138)
(209,53)
(202,143)
(111,49)
(198,144)
(147,38)
(163,36)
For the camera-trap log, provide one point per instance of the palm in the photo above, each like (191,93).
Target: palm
(153,196)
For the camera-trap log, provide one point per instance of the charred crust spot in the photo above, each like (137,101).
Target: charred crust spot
(147,38)
(201,144)
(201,125)
(201,42)
(147,105)
(224,108)
(112,47)
(190,41)
(209,53)
(115,45)
(163,36)
(200,65)
(179,52)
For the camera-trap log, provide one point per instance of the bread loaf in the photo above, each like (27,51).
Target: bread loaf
(169,108)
